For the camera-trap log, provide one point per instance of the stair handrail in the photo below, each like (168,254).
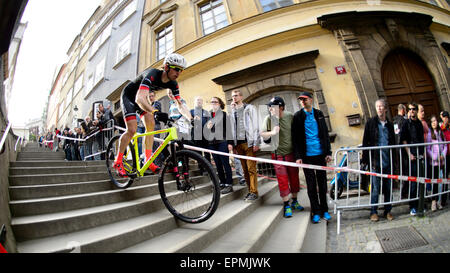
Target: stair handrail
(20,138)
(5,134)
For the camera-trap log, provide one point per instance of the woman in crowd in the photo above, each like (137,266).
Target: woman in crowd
(219,129)
(436,157)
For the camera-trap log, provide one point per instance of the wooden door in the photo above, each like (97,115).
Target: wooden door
(406,79)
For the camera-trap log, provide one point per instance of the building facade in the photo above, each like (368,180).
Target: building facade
(113,54)
(347,53)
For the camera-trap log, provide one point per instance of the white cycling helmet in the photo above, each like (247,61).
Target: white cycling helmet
(175,59)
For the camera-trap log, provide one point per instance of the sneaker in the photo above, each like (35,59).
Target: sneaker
(374,217)
(413,212)
(287,212)
(120,169)
(296,206)
(155,169)
(433,205)
(326,216)
(316,219)
(439,206)
(226,189)
(245,198)
(242,182)
(251,198)
(389,216)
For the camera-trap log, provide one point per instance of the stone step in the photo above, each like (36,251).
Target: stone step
(86,200)
(288,236)
(45,179)
(194,238)
(64,189)
(102,229)
(252,232)
(56,163)
(55,170)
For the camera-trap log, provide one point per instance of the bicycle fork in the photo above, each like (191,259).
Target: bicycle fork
(181,170)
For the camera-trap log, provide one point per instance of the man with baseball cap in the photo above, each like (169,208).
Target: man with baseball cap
(311,144)
(277,126)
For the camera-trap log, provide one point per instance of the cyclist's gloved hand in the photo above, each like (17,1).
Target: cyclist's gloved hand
(161,117)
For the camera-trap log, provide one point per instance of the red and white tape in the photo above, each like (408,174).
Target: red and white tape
(316,167)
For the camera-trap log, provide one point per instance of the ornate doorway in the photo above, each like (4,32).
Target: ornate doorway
(405,79)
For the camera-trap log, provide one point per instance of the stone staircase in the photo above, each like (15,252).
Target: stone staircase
(71,206)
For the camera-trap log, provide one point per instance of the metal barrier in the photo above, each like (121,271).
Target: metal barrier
(97,140)
(405,178)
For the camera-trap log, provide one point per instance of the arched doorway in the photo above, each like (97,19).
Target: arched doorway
(405,79)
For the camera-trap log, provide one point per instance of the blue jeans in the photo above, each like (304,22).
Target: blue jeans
(413,189)
(375,191)
(222,163)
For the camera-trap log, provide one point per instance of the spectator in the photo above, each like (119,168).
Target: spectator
(379,132)
(412,133)
(97,143)
(219,138)
(398,121)
(56,140)
(106,113)
(79,155)
(311,144)
(67,145)
(421,117)
(445,128)
(88,127)
(245,132)
(278,126)
(201,117)
(182,122)
(436,155)
(41,140)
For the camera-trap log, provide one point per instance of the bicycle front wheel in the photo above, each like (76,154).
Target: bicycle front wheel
(129,163)
(196,196)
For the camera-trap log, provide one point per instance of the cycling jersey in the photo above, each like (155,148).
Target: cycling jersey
(149,80)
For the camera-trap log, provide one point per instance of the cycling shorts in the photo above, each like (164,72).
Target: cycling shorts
(130,109)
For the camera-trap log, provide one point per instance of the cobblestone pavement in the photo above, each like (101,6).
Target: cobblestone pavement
(357,233)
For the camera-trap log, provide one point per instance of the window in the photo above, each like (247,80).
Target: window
(78,84)
(99,71)
(213,16)
(61,109)
(84,50)
(123,48)
(69,97)
(89,83)
(164,42)
(128,11)
(100,40)
(268,5)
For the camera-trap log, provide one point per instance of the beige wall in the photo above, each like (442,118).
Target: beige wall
(254,38)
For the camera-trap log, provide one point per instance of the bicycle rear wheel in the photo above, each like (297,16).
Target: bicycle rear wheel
(129,163)
(197,196)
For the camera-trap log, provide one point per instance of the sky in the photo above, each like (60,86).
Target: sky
(52,27)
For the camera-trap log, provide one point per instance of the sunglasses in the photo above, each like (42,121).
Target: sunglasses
(412,109)
(214,102)
(176,68)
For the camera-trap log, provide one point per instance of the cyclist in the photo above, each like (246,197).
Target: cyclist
(135,101)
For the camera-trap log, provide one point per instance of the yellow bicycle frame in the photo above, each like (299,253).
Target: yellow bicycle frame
(172,136)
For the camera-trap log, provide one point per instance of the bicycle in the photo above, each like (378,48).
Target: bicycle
(193,197)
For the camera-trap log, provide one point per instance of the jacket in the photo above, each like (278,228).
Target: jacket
(251,125)
(370,139)
(434,151)
(299,135)
(220,130)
